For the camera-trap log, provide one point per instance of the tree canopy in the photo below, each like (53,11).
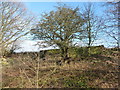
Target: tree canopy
(60,27)
(14,23)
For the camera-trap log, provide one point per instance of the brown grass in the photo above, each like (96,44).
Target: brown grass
(92,72)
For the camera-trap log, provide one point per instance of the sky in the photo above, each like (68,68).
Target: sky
(37,8)
(40,7)
(32,46)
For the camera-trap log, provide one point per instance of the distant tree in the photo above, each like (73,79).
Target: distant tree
(15,22)
(93,24)
(60,27)
(112,19)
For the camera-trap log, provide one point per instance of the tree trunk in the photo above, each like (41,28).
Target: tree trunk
(64,53)
(89,51)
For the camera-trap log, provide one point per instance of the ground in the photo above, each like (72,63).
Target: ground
(99,71)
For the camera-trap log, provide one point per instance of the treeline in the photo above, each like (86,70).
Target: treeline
(66,25)
(63,26)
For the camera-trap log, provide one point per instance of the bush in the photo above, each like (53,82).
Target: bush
(78,52)
(73,52)
(54,51)
(6,53)
(85,51)
(95,51)
(75,82)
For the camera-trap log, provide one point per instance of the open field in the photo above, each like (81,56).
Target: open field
(99,71)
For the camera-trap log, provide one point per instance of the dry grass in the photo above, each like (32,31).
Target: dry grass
(92,72)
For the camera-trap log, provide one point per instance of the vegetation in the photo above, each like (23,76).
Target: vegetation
(112,17)
(14,21)
(60,27)
(95,71)
(70,66)
(92,27)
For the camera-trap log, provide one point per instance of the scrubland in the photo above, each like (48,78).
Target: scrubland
(80,70)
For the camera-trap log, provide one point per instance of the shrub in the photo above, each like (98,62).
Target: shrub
(95,51)
(75,82)
(54,51)
(82,52)
(85,51)
(6,53)
(73,52)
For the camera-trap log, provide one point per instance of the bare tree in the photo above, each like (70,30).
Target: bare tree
(15,23)
(60,27)
(93,25)
(112,19)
